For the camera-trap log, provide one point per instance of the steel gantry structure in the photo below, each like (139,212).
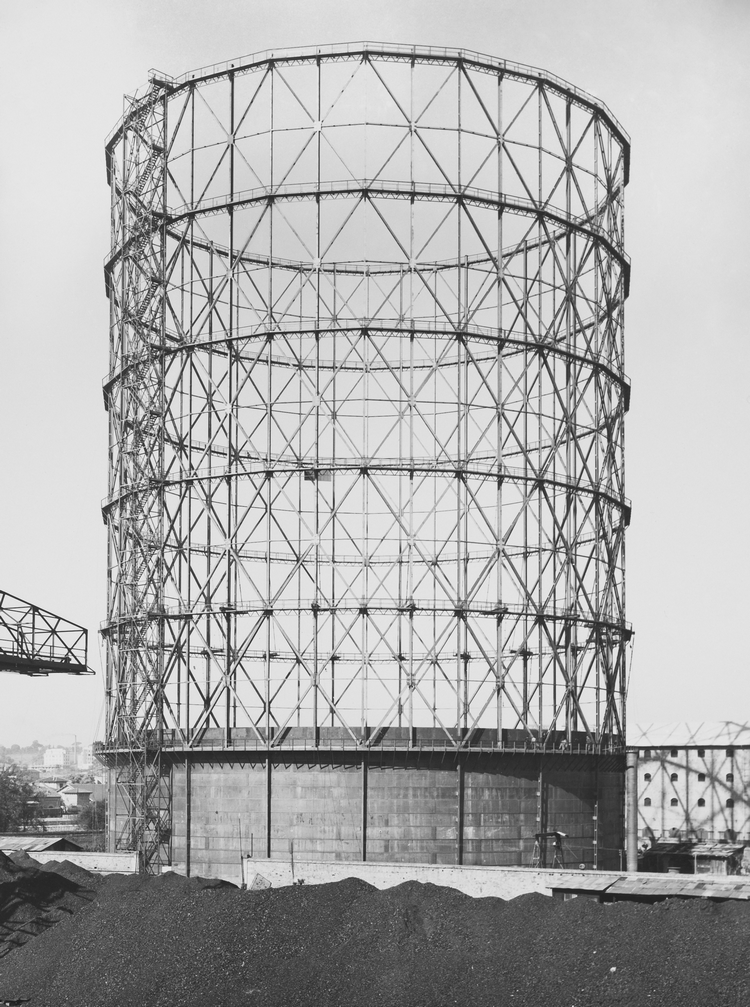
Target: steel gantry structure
(366,403)
(34,641)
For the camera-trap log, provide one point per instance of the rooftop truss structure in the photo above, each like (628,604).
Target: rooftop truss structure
(366,403)
(34,641)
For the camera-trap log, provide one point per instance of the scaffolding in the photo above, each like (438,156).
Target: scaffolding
(366,408)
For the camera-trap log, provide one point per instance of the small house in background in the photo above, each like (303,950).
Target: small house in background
(48,800)
(676,856)
(77,795)
(55,782)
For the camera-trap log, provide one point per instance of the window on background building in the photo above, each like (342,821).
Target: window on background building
(673,802)
(730,803)
(730,753)
(674,753)
(701,753)
(701,777)
(646,753)
(701,803)
(647,777)
(673,777)
(647,802)
(730,777)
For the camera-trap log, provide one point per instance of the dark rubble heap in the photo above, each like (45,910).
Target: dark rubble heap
(177,942)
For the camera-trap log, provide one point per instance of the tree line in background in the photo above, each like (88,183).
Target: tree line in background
(8,752)
(18,801)
(91,817)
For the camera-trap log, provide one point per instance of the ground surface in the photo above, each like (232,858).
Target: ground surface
(69,938)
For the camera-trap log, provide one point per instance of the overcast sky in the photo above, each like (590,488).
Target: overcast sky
(676,73)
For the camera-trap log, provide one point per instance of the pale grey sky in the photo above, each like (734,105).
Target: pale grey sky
(675,73)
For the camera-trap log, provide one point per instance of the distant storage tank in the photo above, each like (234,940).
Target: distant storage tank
(366,509)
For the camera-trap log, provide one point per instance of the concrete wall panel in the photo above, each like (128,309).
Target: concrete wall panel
(318,808)
(500,810)
(227,810)
(412,813)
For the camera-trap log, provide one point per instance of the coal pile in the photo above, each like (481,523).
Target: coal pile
(177,942)
(33,899)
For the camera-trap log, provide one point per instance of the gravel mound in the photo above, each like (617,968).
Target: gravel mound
(178,942)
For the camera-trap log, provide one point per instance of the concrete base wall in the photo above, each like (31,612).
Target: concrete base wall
(417,808)
(479,882)
(97,863)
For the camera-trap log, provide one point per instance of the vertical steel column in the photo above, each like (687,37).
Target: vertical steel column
(363,824)
(461,787)
(631,805)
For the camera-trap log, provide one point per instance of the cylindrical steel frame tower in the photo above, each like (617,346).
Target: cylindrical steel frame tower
(366,403)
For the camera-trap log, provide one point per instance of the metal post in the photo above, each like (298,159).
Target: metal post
(188,811)
(461,771)
(364,806)
(631,816)
(268,803)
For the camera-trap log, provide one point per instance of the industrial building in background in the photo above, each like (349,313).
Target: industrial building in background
(693,794)
(366,508)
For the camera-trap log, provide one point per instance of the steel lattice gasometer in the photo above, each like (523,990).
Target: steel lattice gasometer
(366,409)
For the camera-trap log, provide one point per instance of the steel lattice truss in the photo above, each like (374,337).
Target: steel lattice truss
(366,402)
(34,641)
